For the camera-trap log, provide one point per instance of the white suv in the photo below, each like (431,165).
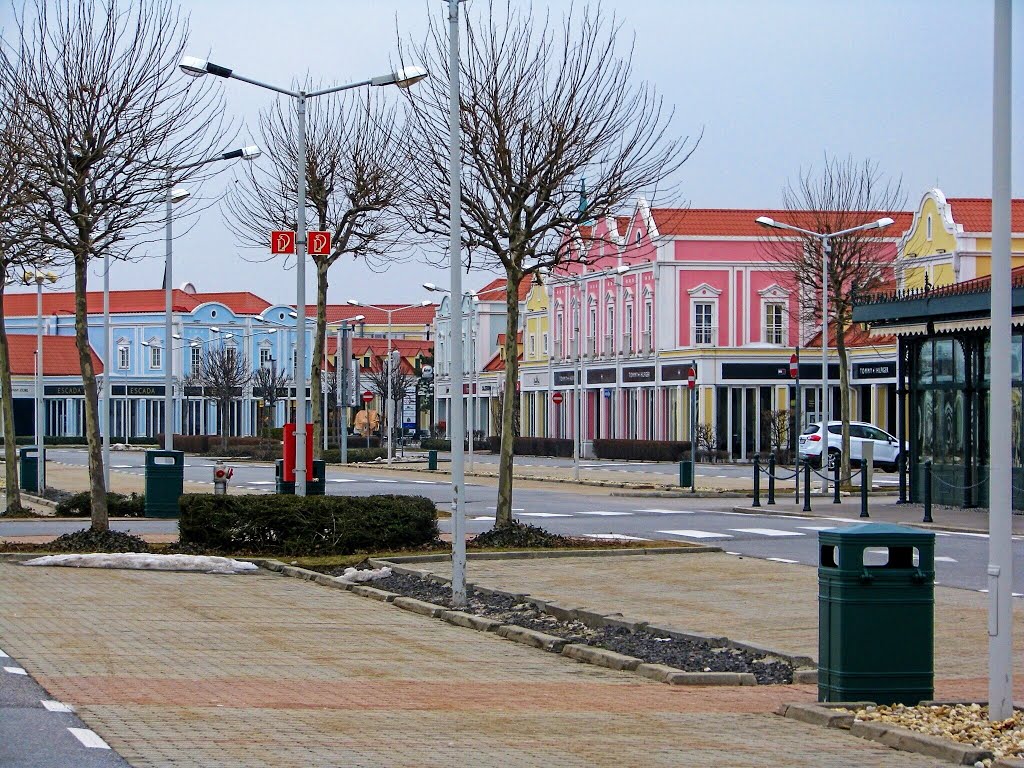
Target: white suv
(887,447)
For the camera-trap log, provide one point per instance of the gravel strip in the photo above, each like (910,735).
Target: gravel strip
(687,655)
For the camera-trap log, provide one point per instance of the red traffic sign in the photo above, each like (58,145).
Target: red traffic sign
(367,396)
(691,378)
(318,243)
(557,398)
(794,367)
(282,241)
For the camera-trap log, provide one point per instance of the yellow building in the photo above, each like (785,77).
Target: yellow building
(950,241)
(535,369)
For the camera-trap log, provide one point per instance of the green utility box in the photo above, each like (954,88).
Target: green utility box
(316,483)
(876,608)
(28,468)
(165,482)
(685,474)
(431,459)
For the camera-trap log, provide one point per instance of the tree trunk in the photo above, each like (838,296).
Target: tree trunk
(222,419)
(503,514)
(97,491)
(316,376)
(844,399)
(12,492)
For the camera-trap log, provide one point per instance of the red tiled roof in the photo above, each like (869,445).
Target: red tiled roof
(731,222)
(126,302)
(60,355)
(239,302)
(411,316)
(855,336)
(622,224)
(495,290)
(975,213)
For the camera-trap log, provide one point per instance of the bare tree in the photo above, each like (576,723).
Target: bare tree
(543,105)
(402,385)
(844,194)
(354,180)
(776,426)
(223,373)
(268,382)
(108,112)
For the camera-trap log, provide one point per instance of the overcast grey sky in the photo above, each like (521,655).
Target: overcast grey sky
(774,84)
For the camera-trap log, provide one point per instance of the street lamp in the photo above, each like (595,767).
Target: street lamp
(403,78)
(176,196)
(826,249)
(37,277)
(341,366)
(389,408)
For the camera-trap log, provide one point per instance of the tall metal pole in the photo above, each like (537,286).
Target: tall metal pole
(455,258)
(1000,566)
(826,249)
(341,366)
(796,437)
(168,331)
(389,408)
(472,379)
(300,299)
(40,402)
(107,371)
(577,323)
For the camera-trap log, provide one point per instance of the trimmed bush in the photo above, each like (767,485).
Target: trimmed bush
(118,505)
(642,450)
(437,444)
(534,446)
(306,525)
(333,456)
(59,440)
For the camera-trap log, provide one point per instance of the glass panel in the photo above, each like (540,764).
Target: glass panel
(925,424)
(948,445)
(943,361)
(924,363)
(1015,433)
(1015,359)
(988,361)
(959,371)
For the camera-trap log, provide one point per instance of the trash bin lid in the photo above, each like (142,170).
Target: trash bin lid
(872,533)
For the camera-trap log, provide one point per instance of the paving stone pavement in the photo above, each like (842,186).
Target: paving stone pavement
(175,669)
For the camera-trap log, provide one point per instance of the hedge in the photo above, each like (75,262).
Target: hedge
(534,446)
(333,456)
(643,450)
(118,505)
(72,440)
(306,525)
(437,444)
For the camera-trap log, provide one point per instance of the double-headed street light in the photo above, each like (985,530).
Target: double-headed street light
(37,277)
(176,196)
(826,249)
(403,78)
(389,408)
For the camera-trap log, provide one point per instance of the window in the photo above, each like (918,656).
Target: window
(928,226)
(197,358)
(155,356)
(592,330)
(265,357)
(533,346)
(610,329)
(546,350)
(628,325)
(703,322)
(774,326)
(231,354)
(558,328)
(648,316)
(123,358)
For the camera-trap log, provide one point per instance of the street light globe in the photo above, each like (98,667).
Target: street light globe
(765,221)
(192,66)
(426,303)
(430,286)
(353,302)
(885,221)
(179,194)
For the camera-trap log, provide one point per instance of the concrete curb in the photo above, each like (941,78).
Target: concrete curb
(539,554)
(890,735)
(601,657)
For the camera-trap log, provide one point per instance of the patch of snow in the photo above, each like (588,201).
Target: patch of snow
(355,576)
(138,561)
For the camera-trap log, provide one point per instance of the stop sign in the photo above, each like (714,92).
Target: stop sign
(691,378)
(557,398)
(794,369)
(367,396)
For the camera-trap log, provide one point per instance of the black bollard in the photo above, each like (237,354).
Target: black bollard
(771,478)
(928,492)
(863,491)
(836,466)
(757,483)
(807,486)
(901,467)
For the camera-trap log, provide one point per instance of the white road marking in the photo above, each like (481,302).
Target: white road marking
(263,482)
(782,560)
(424,482)
(817,527)
(605,514)
(767,532)
(733,553)
(483,517)
(612,537)
(514,509)
(667,511)
(972,535)
(56,706)
(15,670)
(542,514)
(89,738)
(945,560)
(376,480)
(341,480)
(3,655)
(689,534)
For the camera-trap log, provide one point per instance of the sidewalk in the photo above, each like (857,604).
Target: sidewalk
(177,669)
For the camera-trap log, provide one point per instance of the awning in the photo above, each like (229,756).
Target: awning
(906,329)
(972,324)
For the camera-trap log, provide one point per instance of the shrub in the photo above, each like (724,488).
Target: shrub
(534,446)
(333,456)
(118,505)
(307,525)
(642,450)
(436,444)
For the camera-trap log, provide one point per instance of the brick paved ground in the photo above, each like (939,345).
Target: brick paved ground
(260,670)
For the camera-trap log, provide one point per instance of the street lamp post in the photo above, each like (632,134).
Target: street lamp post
(341,366)
(826,249)
(37,277)
(403,78)
(389,408)
(176,196)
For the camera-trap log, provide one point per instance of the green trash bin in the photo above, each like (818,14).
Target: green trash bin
(165,482)
(431,459)
(28,468)
(280,486)
(876,608)
(685,474)
(316,483)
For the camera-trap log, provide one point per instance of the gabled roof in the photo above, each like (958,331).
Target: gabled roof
(732,222)
(60,355)
(129,302)
(495,290)
(854,337)
(410,316)
(975,213)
